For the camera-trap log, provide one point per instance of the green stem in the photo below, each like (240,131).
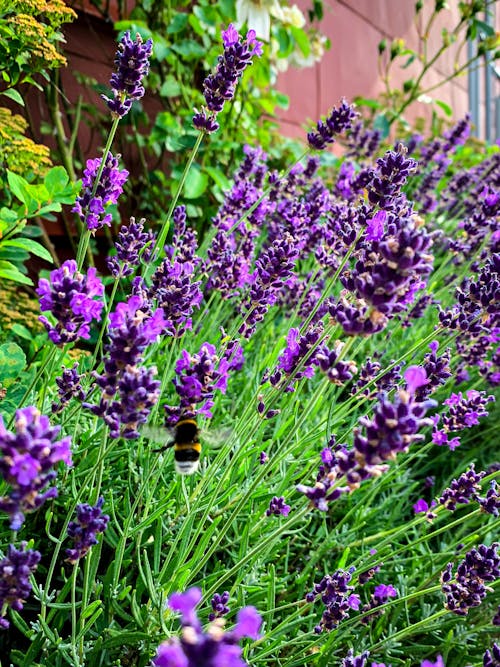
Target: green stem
(85,237)
(160,241)
(48,359)
(74,620)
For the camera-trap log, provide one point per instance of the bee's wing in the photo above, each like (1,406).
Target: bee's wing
(215,437)
(160,435)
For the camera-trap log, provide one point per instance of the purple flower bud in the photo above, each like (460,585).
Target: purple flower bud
(92,207)
(27,464)
(69,296)
(278,506)
(462,490)
(69,387)
(132,65)
(15,586)
(338,121)
(219,606)
(90,521)
(355,661)
(491,658)
(221,85)
(132,240)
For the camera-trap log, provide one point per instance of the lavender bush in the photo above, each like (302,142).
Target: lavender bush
(336,520)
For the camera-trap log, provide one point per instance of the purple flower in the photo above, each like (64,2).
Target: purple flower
(198,376)
(491,502)
(352,660)
(338,121)
(394,427)
(90,521)
(421,506)
(298,358)
(15,586)
(491,658)
(69,296)
(438,663)
(467,589)
(380,596)
(463,412)
(131,240)
(278,506)
(462,490)
(232,250)
(27,464)
(336,594)
(196,648)
(69,387)
(273,267)
(132,64)
(92,207)
(132,328)
(221,85)
(172,283)
(219,605)
(416,377)
(375,226)
(263,458)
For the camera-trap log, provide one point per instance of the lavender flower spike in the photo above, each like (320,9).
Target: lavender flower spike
(91,206)
(69,296)
(15,586)
(338,121)
(132,64)
(27,462)
(221,85)
(90,521)
(205,649)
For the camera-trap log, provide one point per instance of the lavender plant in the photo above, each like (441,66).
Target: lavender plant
(297,332)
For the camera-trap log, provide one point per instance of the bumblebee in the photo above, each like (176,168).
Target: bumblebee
(187,446)
(184,437)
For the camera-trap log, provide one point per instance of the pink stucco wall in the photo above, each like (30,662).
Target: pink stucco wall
(355,28)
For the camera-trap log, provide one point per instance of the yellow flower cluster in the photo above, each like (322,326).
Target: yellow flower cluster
(35,23)
(18,153)
(17,306)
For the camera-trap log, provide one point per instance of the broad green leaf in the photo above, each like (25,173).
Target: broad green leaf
(196,184)
(11,272)
(170,87)
(21,331)
(19,187)
(14,95)
(12,361)
(178,23)
(302,40)
(219,177)
(31,246)
(56,180)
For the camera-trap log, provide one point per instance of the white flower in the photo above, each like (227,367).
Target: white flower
(257,15)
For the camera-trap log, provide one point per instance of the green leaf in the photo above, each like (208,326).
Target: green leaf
(21,331)
(219,177)
(178,23)
(14,95)
(196,183)
(170,87)
(33,247)
(302,40)
(382,125)
(12,361)
(445,107)
(56,180)
(189,49)
(19,187)
(11,272)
